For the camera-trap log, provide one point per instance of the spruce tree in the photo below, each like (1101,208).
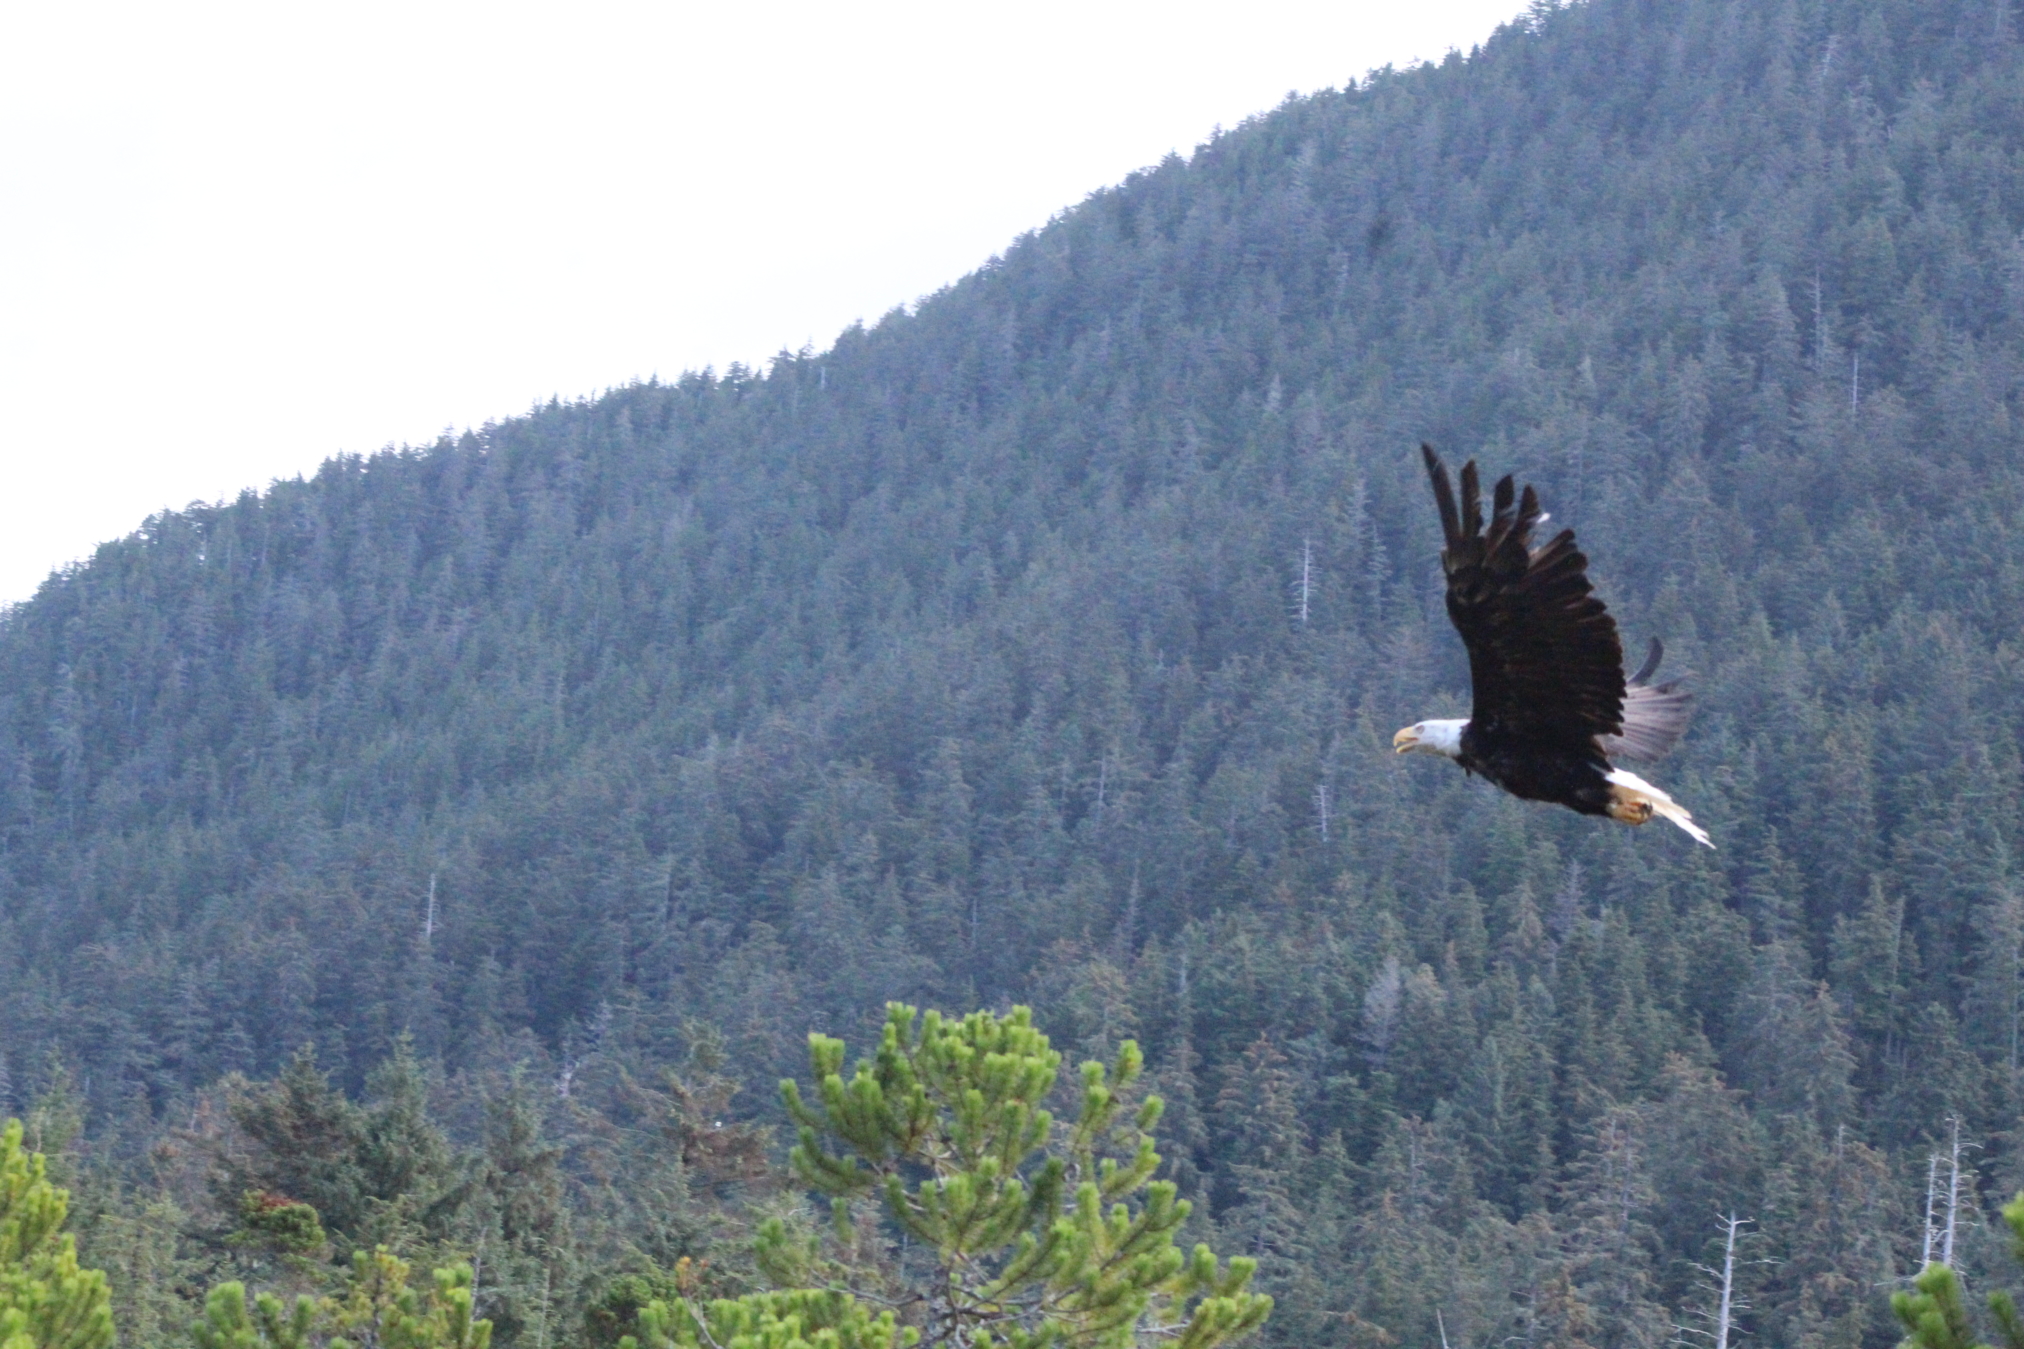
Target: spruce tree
(302,1144)
(524,1237)
(1263,1161)
(404,1162)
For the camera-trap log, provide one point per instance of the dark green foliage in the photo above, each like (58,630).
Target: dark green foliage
(303,1144)
(963,662)
(615,1313)
(279,1224)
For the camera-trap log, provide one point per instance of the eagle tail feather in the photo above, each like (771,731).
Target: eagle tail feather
(1651,665)
(1655,716)
(1639,801)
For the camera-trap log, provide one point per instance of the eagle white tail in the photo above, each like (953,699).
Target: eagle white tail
(1637,801)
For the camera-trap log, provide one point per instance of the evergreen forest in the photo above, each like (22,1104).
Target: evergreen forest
(444,858)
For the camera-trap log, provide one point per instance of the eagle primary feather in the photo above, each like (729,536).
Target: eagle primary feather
(1551,705)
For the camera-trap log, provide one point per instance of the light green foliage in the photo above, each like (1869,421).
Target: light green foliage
(1040,1232)
(793,1319)
(46,1300)
(2001,1304)
(1935,1315)
(380,1309)
(228,1324)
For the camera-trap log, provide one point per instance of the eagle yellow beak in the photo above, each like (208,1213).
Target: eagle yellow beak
(1405,740)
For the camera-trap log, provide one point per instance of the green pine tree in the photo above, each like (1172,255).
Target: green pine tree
(46,1300)
(1026,1232)
(801,1319)
(379,1309)
(1935,1314)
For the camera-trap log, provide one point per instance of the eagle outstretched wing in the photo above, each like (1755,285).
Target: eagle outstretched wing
(1545,661)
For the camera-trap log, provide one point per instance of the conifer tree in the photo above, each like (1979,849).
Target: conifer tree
(46,1300)
(1607,1198)
(1263,1159)
(400,1150)
(524,1239)
(1935,1314)
(800,1319)
(1035,1232)
(303,1141)
(379,1309)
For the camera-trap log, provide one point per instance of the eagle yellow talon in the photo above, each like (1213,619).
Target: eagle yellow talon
(1630,811)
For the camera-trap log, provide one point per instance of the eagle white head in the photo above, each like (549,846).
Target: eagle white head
(1442,736)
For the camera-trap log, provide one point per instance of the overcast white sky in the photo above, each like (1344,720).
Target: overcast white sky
(237,238)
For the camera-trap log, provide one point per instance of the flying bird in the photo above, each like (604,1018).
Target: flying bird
(1552,707)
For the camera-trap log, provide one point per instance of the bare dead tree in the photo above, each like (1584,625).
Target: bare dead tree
(1304,589)
(1932,1197)
(1953,1192)
(1954,1148)
(1728,1303)
(1819,315)
(1728,1306)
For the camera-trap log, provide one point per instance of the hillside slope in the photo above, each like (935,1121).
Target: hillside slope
(968,661)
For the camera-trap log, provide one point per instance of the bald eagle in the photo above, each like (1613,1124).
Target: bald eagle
(1552,707)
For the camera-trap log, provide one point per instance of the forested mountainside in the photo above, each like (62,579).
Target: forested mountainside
(1043,644)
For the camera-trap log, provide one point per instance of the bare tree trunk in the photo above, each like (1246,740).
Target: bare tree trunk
(1725,1309)
(1932,1193)
(1819,314)
(1721,1286)
(1306,576)
(1953,1195)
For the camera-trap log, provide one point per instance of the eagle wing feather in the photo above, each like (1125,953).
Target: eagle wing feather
(1545,660)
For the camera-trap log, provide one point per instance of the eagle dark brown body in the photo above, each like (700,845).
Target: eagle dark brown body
(1552,706)
(1579,783)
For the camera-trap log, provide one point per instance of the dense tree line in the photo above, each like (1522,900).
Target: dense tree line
(1042,643)
(965,1212)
